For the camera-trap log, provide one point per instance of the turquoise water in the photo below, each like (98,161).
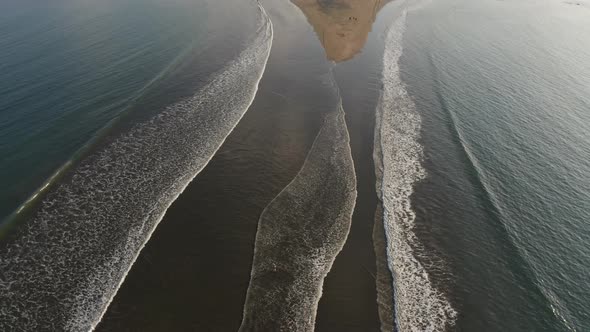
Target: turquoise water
(68,68)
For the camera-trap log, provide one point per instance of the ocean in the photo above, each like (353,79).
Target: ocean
(329,165)
(502,89)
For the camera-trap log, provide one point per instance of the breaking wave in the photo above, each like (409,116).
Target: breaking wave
(383,277)
(418,305)
(60,270)
(300,233)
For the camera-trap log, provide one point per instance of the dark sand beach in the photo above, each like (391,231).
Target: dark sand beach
(210,230)
(294,165)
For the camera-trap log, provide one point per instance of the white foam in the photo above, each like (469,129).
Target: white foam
(300,233)
(418,305)
(383,277)
(70,259)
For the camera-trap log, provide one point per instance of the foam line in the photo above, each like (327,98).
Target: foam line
(300,233)
(30,202)
(62,268)
(418,305)
(383,277)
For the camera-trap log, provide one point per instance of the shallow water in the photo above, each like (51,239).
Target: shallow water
(450,164)
(78,243)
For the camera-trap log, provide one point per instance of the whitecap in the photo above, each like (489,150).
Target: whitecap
(419,306)
(300,233)
(62,268)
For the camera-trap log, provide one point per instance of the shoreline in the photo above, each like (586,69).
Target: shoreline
(213,224)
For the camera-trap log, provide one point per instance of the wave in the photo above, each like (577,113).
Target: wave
(300,233)
(12,219)
(383,277)
(60,270)
(494,204)
(418,305)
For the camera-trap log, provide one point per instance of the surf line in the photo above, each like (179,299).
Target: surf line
(301,232)
(268,30)
(398,155)
(12,219)
(63,267)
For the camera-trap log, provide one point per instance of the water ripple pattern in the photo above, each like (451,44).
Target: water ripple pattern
(300,233)
(63,267)
(418,305)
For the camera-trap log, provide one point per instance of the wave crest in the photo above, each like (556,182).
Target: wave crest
(398,154)
(61,269)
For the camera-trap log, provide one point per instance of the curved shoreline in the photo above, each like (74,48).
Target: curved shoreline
(67,253)
(398,157)
(300,233)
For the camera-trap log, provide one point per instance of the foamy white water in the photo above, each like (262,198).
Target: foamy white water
(418,305)
(383,277)
(66,264)
(300,233)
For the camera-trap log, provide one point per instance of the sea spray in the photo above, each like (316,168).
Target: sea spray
(60,270)
(418,305)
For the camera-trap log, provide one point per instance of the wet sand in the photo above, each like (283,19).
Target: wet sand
(195,271)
